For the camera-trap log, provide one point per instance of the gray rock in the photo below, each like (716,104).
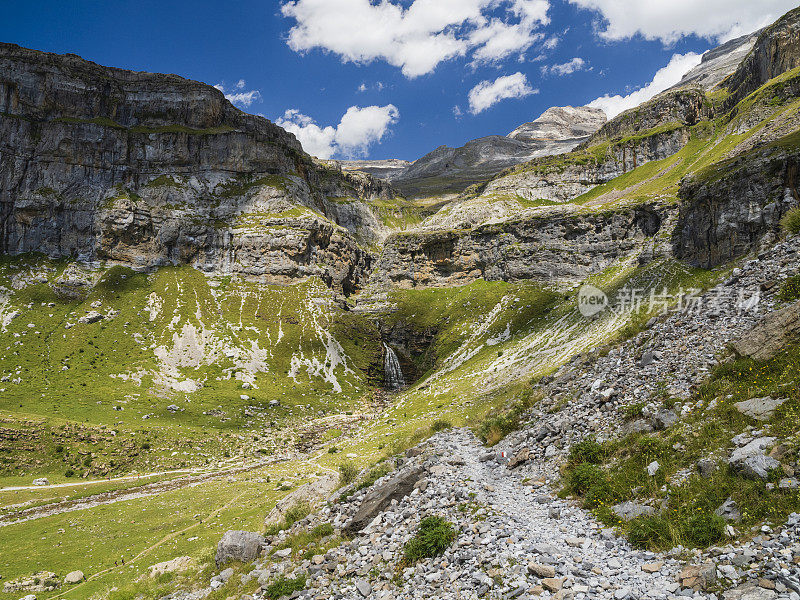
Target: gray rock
(379,497)
(364,588)
(73,577)
(749,591)
(241,546)
(729,511)
(631,510)
(760,409)
(91,317)
(706,467)
(758,467)
(757,447)
(664,419)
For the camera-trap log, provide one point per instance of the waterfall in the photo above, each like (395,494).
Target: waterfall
(393,373)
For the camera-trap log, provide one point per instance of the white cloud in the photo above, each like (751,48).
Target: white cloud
(238,96)
(489,93)
(415,37)
(358,129)
(670,20)
(567,68)
(666,77)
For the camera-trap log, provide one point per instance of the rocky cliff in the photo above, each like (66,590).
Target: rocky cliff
(553,246)
(776,51)
(735,207)
(144,169)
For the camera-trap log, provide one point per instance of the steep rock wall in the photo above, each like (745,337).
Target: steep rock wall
(553,247)
(731,208)
(105,164)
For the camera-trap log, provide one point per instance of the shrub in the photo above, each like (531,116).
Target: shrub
(599,494)
(584,477)
(297,513)
(285,587)
(791,221)
(433,537)
(703,529)
(650,532)
(790,291)
(497,426)
(441,425)
(69,473)
(347,473)
(587,451)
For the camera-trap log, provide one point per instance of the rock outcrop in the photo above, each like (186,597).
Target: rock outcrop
(776,51)
(561,124)
(777,331)
(144,169)
(551,246)
(728,209)
(719,63)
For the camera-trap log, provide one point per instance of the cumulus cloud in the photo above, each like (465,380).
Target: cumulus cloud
(666,77)
(238,96)
(416,37)
(358,129)
(488,93)
(669,21)
(567,68)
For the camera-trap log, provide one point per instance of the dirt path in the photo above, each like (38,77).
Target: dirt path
(143,491)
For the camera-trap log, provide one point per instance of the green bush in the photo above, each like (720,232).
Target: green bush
(347,473)
(584,477)
(650,532)
(285,587)
(790,291)
(587,451)
(434,536)
(69,473)
(297,513)
(494,428)
(702,529)
(441,425)
(599,494)
(791,221)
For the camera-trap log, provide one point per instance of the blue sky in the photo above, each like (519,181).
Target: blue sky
(373,79)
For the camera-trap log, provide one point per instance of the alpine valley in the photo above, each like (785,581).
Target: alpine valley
(559,363)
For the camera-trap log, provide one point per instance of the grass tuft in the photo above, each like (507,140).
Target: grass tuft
(434,536)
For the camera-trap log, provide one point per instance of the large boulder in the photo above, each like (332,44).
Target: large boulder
(381,497)
(749,591)
(772,335)
(73,577)
(758,467)
(760,409)
(241,546)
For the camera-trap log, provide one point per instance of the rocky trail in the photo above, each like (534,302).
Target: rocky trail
(515,538)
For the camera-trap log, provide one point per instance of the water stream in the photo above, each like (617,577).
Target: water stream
(393,373)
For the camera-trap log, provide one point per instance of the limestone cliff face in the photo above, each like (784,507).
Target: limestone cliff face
(547,246)
(562,181)
(735,207)
(684,107)
(776,51)
(144,169)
